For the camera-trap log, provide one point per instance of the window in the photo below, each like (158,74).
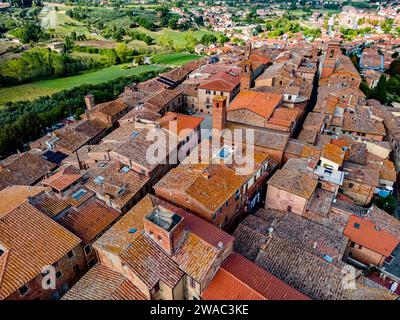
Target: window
(214,216)
(352,244)
(290,97)
(58,274)
(357,225)
(87,249)
(289,208)
(351,185)
(237,195)
(226,204)
(77,269)
(91,263)
(70,254)
(192,283)
(23,290)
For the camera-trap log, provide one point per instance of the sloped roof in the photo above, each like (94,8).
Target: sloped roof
(32,240)
(261,103)
(240,279)
(295,178)
(365,233)
(101,283)
(150,263)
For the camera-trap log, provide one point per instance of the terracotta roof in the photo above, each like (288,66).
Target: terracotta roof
(49,204)
(119,237)
(73,136)
(288,254)
(365,233)
(32,241)
(310,152)
(150,263)
(225,286)
(195,257)
(384,221)
(357,123)
(12,197)
(23,169)
(101,283)
(240,279)
(89,220)
(308,135)
(162,98)
(110,108)
(333,153)
(295,178)
(260,103)
(225,81)
(179,123)
(63,178)
(210,185)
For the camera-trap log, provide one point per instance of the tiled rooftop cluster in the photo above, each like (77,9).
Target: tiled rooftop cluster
(87,201)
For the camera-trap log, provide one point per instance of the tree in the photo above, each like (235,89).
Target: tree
(68,43)
(208,39)
(379,92)
(122,51)
(29,32)
(166,42)
(190,41)
(394,68)
(139,60)
(223,38)
(364,88)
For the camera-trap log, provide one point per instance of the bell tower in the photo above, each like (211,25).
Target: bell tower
(245,77)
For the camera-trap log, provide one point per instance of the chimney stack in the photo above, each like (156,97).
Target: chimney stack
(89,101)
(219,112)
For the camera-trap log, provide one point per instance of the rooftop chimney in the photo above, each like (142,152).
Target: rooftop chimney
(89,101)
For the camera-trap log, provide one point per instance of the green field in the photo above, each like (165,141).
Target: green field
(176,35)
(174,59)
(37,89)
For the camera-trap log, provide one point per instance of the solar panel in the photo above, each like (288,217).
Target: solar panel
(54,157)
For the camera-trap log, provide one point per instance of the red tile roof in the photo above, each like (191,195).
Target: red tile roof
(150,263)
(241,279)
(370,236)
(63,178)
(101,283)
(223,81)
(31,241)
(261,103)
(89,220)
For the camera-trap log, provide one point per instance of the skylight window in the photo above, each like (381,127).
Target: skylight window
(224,153)
(134,134)
(328,258)
(125,169)
(79,194)
(99,180)
(357,225)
